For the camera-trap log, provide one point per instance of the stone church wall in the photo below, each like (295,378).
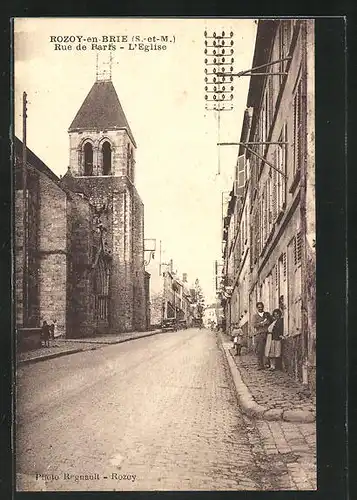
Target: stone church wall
(52,251)
(80,307)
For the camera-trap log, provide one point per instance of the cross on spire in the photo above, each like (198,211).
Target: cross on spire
(104,63)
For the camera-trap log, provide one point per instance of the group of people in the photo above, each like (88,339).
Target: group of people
(268,333)
(48,332)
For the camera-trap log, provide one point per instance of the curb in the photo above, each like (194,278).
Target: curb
(110,342)
(82,349)
(251,408)
(48,356)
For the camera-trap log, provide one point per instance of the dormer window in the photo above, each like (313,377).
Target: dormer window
(88,159)
(107,158)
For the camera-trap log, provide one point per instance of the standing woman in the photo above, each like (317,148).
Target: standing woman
(275,334)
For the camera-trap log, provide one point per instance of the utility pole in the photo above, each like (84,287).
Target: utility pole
(25,217)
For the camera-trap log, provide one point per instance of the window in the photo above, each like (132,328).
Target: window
(284,41)
(276,276)
(241,171)
(269,196)
(246,223)
(281,51)
(281,161)
(265,213)
(267,113)
(256,234)
(246,169)
(297,249)
(106,158)
(88,159)
(270,94)
(284,260)
(253,177)
(298,152)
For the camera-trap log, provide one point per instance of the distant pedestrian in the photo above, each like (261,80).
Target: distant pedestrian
(275,334)
(261,322)
(45,334)
(237,334)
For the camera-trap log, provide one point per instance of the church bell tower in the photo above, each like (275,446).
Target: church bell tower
(102,168)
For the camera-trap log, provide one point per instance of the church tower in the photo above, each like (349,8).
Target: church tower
(102,169)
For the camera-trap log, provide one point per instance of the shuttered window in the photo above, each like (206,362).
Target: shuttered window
(275,193)
(284,265)
(241,171)
(281,164)
(298,128)
(297,248)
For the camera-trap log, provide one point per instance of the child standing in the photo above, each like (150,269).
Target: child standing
(237,333)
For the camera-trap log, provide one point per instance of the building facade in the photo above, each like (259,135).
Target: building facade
(85,232)
(176,298)
(269,229)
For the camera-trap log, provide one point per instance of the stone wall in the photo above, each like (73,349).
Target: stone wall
(119,140)
(140,303)
(52,252)
(81,306)
(124,235)
(156,308)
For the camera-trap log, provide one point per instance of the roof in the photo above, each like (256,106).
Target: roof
(265,34)
(34,160)
(262,53)
(101,110)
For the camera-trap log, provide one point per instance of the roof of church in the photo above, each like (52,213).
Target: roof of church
(101,109)
(32,160)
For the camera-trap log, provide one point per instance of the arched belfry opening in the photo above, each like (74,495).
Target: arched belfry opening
(107,158)
(88,159)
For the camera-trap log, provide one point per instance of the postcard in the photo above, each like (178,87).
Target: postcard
(164,253)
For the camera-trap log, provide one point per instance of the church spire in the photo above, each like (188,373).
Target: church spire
(101,110)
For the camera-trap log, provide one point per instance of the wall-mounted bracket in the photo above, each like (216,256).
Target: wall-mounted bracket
(245,145)
(249,72)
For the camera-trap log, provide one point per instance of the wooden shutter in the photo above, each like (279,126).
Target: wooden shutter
(284,265)
(241,171)
(297,247)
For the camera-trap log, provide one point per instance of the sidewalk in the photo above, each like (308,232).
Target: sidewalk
(268,395)
(62,347)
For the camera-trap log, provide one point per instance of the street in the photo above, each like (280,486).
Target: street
(157,413)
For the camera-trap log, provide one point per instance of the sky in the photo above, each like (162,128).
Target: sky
(180,171)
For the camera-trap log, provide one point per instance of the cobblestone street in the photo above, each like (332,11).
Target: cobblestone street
(156,413)
(276,389)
